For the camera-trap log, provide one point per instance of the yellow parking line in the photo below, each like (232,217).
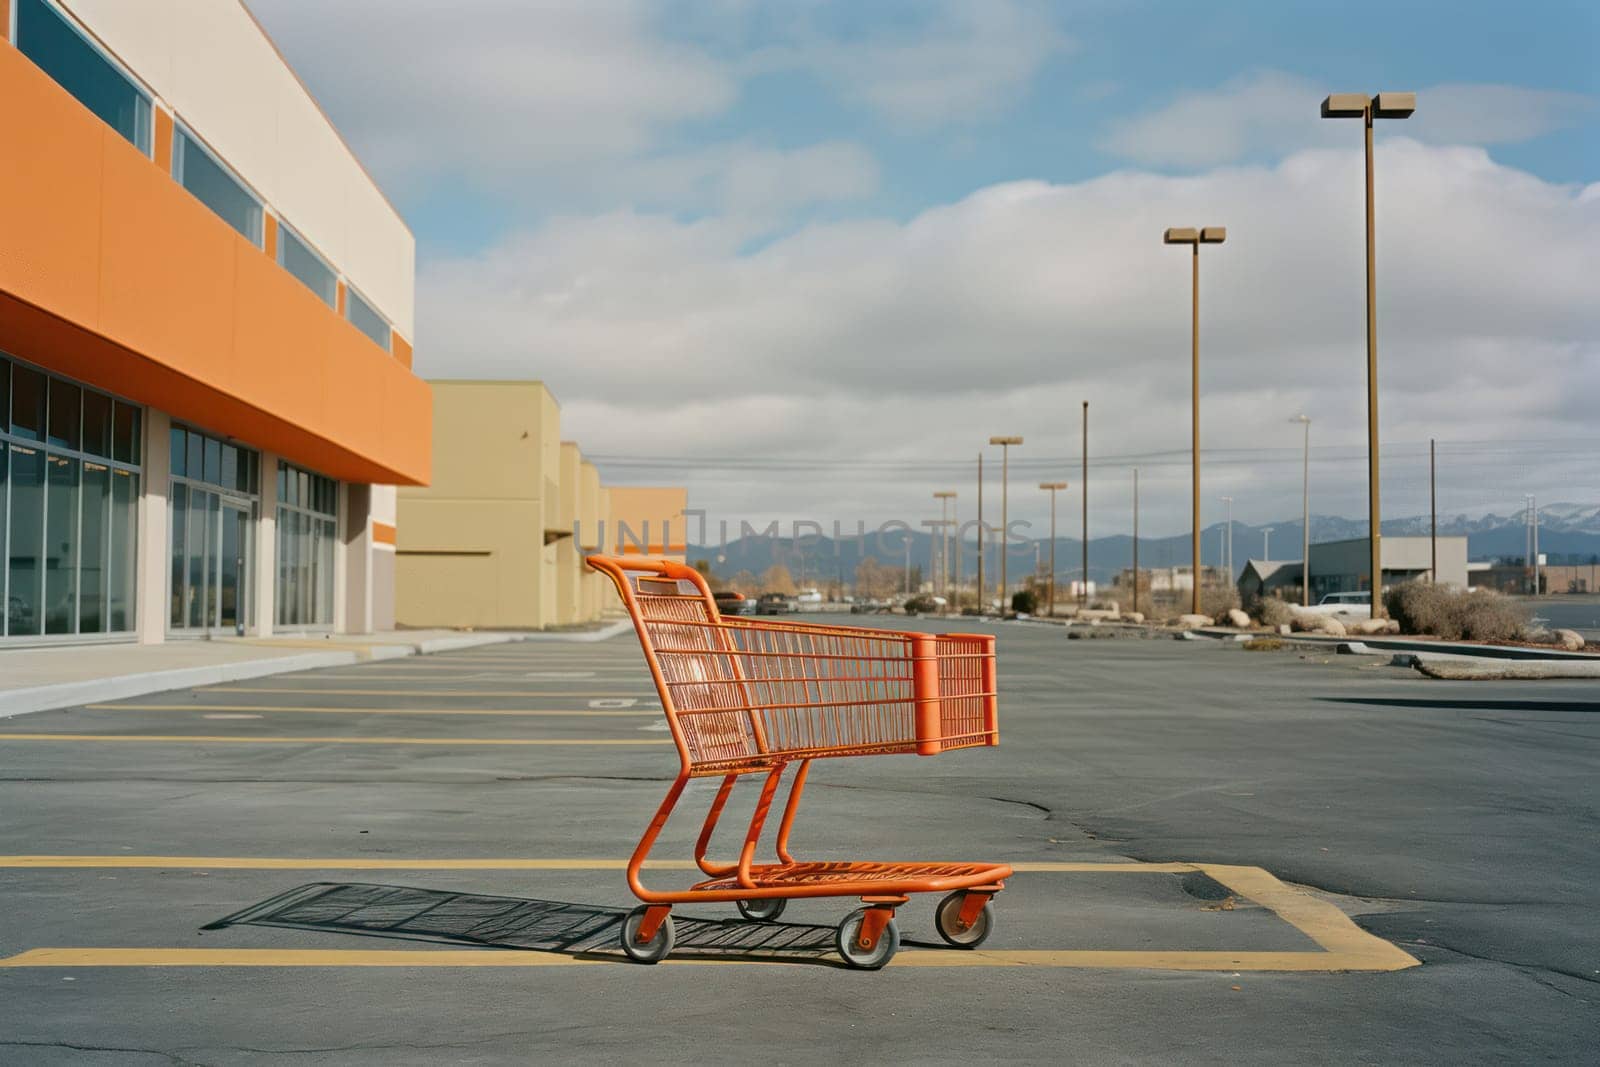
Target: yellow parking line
(211,739)
(1080,958)
(531,712)
(1343,945)
(519,863)
(283,691)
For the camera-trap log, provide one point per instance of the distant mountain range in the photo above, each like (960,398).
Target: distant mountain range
(1565,530)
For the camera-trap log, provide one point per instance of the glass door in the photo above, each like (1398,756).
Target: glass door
(232,566)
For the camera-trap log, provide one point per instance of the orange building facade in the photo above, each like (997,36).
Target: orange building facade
(206,395)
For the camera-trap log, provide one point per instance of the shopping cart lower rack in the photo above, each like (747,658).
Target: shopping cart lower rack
(751,697)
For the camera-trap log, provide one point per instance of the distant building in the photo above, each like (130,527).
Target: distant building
(1166,579)
(1345,567)
(499,537)
(1515,576)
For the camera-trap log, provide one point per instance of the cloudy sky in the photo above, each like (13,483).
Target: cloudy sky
(806,256)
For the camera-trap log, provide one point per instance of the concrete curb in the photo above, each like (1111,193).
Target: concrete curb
(1463,669)
(120,687)
(605,633)
(456,644)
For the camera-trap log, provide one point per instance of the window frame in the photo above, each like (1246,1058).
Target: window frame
(80,456)
(333,275)
(183,134)
(353,294)
(135,83)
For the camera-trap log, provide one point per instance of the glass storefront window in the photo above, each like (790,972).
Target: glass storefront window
(214,506)
(68,509)
(215,186)
(59,50)
(307,534)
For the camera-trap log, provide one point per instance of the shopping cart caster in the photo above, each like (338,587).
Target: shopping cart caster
(848,942)
(765,910)
(947,917)
(660,943)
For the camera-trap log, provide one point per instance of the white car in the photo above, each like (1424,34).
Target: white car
(1359,603)
(809,596)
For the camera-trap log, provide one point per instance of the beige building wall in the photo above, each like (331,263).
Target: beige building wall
(648,520)
(478,547)
(569,554)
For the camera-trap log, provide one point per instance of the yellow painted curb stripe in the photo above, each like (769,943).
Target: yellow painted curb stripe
(210,739)
(650,713)
(1080,958)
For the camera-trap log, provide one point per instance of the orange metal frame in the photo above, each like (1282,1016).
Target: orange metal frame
(752,696)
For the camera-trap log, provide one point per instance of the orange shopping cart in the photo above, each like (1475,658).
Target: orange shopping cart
(751,697)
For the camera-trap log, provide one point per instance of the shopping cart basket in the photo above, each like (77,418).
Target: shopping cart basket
(751,697)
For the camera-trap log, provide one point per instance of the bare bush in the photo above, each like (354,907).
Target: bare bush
(1218,600)
(1270,611)
(1456,615)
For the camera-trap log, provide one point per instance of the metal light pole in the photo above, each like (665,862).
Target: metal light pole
(983,542)
(1051,487)
(1083,600)
(1367,108)
(1266,542)
(1227,555)
(1305,512)
(945,497)
(1005,444)
(1210,235)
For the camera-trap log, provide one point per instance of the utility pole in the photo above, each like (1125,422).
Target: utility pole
(1534,508)
(1266,541)
(1433,514)
(1136,539)
(1083,601)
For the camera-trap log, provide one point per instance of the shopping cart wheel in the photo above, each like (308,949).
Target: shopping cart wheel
(947,917)
(866,959)
(656,949)
(765,910)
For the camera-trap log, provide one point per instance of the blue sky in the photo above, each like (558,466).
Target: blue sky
(844,242)
(1113,61)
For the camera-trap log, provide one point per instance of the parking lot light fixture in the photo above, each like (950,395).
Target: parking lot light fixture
(1369,108)
(1194,237)
(1005,444)
(1052,488)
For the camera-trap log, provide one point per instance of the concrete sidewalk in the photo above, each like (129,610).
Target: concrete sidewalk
(37,679)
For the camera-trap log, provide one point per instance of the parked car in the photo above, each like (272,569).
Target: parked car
(774,604)
(809,596)
(731,603)
(1358,603)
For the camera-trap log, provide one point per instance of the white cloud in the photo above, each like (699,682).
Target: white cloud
(1268,114)
(495,89)
(968,60)
(850,345)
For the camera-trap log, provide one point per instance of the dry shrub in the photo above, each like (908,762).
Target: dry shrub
(1217,600)
(1262,644)
(1456,615)
(1270,611)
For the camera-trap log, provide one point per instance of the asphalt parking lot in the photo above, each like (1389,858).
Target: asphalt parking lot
(420,861)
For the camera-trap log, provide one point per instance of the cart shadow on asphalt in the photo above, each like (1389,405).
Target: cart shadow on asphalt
(585,931)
